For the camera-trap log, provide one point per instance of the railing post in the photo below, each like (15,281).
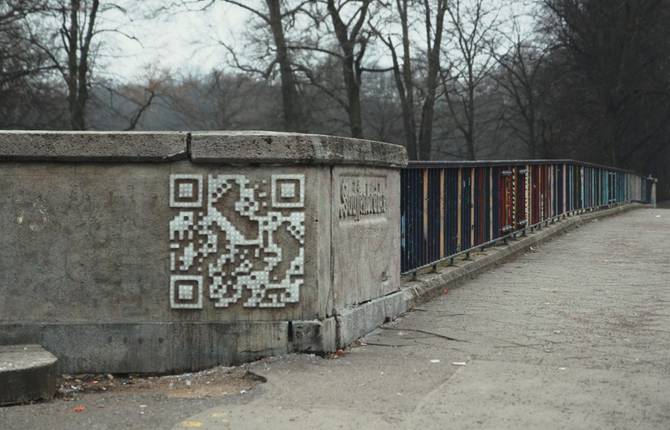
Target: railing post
(652,193)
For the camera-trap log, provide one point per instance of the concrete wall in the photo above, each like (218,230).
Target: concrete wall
(153,252)
(367,204)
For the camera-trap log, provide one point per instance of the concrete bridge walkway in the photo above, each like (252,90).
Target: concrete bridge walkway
(573,335)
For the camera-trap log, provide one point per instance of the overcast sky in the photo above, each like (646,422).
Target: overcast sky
(186,41)
(183,41)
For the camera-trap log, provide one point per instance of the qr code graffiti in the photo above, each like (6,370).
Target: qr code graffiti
(241,241)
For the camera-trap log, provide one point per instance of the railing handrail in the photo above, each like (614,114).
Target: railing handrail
(520,162)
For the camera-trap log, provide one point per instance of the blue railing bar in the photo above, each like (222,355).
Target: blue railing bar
(511,235)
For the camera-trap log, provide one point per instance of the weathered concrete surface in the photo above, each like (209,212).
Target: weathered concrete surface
(86,146)
(27,373)
(574,334)
(86,269)
(313,336)
(89,243)
(277,148)
(152,347)
(363,268)
(357,321)
(95,252)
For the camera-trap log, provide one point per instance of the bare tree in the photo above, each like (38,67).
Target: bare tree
(405,73)
(70,51)
(350,35)
(77,34)
(520,68)
(381,110)
(472,27)
(70,34)
(433,52)
(28,98)
(346,20)
(18,59)
(275,16)
(218,101)
(615,57)
(130,102)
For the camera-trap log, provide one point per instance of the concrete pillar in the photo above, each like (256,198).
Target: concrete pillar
(154,252)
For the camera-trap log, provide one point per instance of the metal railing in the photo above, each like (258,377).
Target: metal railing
(452,208)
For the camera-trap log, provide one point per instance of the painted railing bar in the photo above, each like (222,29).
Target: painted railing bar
(512,235)
(466,252)
(449,208)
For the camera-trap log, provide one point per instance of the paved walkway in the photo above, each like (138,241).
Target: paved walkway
(575,334)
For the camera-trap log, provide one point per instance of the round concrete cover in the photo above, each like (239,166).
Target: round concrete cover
(19,357)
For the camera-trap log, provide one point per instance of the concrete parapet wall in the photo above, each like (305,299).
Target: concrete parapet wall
(156,252)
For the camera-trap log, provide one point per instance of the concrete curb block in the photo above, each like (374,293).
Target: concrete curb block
(27,373)
(359,321)
(317,336)
(354,323)
(152,347)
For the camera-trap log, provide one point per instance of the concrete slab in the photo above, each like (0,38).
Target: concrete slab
(27,373)
(356,322)
(152,347)
(528,396)
(83,146)
(286,418)
(267,147)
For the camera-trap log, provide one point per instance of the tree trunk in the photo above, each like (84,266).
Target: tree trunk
(293,119)
(407,107)
(78,49)
(409,125)
(426,130)
(409,118)
(403,81)
(76,117)
(353,96)
(428,109)
(470,138)
(351,68)
(532,139)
